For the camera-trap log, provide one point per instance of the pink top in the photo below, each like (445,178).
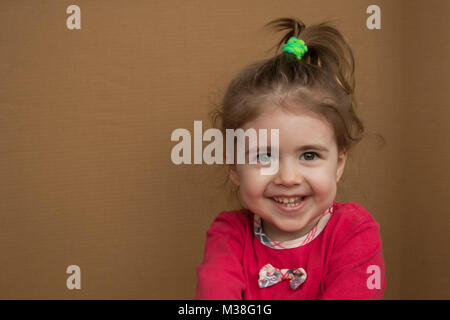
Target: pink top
(341,258)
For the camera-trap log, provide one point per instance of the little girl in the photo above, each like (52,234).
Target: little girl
(292,241)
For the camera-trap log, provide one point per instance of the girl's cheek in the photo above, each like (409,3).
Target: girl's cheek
(252,173)
(253,182)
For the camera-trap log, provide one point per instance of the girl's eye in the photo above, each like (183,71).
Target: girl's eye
(264,158)
(310,155)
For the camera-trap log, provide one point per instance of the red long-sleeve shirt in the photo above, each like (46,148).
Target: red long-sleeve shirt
(344,261)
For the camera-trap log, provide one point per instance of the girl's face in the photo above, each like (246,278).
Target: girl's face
(309,165)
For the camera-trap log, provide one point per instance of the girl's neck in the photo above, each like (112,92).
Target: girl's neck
(277,235)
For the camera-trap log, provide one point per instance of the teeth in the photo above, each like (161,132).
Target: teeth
(287,201)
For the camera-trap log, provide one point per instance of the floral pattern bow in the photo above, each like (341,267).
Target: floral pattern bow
(269,275)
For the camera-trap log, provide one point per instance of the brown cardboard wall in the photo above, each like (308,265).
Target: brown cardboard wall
(86,118)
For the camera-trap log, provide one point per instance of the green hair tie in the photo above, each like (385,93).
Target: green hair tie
(295,46)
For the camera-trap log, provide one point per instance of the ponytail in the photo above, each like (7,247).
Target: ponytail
(327,48)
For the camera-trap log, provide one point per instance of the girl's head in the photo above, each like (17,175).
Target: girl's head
(311,102)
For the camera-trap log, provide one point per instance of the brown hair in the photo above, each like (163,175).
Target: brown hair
(321,82)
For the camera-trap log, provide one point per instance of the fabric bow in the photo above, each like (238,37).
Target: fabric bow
(269,275)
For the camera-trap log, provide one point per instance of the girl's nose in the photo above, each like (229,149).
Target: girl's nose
(288,175)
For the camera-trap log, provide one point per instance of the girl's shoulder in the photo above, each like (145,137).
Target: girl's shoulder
(353,231)
(352,214)
(235,220)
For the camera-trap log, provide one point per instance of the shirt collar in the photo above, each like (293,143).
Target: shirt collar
(307,238)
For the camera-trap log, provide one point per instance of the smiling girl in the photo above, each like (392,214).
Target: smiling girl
(292,240)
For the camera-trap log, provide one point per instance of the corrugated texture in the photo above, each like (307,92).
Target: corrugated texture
(86,118)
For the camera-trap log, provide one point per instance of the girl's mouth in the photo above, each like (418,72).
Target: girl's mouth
(289,204)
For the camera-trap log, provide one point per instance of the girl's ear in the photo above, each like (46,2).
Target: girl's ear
(232,173)
(340,165)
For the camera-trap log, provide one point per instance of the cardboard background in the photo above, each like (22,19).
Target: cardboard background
(85,123)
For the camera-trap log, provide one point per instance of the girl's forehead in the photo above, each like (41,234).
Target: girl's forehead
(294,128)
(287,121)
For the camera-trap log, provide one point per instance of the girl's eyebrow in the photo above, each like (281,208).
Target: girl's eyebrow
(257,149)
(317,147)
